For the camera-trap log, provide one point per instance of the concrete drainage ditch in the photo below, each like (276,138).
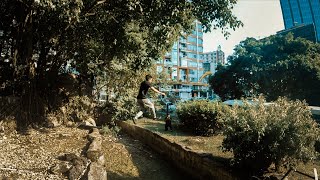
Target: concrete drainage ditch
(197,165)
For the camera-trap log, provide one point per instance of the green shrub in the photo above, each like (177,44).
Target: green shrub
(123,108)
(200,117)
(282,134)
(79,108)
(113,131)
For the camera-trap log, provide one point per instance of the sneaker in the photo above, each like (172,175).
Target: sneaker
(139,114)
(155,118)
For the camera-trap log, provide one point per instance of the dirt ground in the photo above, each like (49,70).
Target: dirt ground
(30,156)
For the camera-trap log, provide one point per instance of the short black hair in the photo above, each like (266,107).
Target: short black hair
(148,77)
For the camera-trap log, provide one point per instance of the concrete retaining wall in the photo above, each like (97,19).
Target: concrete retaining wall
(197,165)
(315,110)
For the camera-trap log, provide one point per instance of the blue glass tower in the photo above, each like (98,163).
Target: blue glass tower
(298,12)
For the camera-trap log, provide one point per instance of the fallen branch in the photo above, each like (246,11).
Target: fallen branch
(8,169)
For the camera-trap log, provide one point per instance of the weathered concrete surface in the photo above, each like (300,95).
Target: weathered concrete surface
(197,165)
(315,110)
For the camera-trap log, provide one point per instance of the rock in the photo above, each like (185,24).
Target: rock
(76,172)
(79,161)
(52,122)
(91,121)
(68,157)
(70,124)
(60,168)
(94,150)
(97,172)
(63,110)
(101,160)
(94,134)
(79,167)
(87,125)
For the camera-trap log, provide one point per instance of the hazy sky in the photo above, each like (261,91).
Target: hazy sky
(261,18)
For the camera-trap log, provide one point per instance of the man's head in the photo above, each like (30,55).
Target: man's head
(149,78)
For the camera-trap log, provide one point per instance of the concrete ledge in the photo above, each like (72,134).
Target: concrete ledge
(197,165)
(315,110)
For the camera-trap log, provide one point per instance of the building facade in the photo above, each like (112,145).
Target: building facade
(184,65)
(304,31)
(301,12)
(213,58)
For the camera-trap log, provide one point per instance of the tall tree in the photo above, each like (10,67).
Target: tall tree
(274,66)
(40,38)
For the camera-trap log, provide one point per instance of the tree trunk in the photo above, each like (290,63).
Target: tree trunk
(32,109)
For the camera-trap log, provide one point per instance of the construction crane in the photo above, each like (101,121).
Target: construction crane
(208,73)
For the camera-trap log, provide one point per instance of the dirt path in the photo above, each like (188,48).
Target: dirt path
(31,156)
(127,158)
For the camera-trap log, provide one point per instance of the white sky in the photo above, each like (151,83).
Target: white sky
(261,18)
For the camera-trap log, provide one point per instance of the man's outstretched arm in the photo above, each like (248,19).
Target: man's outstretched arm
(157,91)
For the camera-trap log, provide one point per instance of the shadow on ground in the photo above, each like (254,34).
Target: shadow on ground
(130,159)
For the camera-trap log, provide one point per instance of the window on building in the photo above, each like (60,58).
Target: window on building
(192,39)
(192,55)
(193,64)
(192,72)
(183,76)
(191,47)
(184,63)
(174,73)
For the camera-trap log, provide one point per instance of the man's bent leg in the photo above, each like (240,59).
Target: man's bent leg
(149,104)
(141,105)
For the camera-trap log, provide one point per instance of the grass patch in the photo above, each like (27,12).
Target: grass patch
(212,145)
(196,143)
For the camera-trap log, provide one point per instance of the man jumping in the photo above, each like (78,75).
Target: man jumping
(143,100)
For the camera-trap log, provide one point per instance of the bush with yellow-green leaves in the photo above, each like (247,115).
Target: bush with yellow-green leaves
(259,135)
(200,117)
